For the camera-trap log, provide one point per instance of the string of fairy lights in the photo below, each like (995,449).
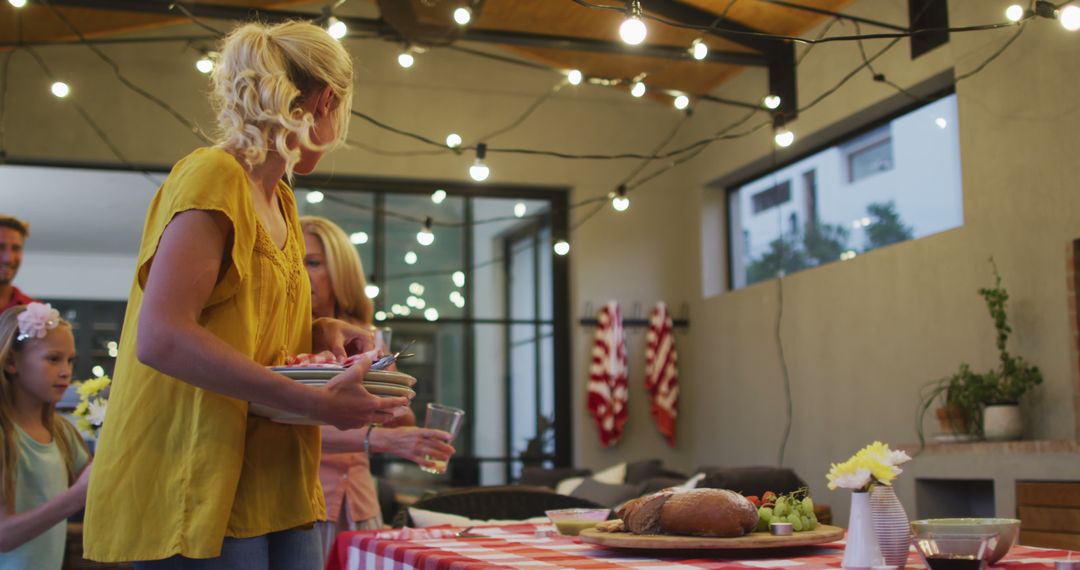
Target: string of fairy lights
(633,30)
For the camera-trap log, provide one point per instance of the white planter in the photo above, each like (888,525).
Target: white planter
(1002,422)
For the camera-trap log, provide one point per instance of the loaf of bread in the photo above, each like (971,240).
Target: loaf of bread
(694,512)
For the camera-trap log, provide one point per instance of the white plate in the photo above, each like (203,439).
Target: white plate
(282,417)
(383,376)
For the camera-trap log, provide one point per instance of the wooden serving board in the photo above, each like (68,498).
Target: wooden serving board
(820,535)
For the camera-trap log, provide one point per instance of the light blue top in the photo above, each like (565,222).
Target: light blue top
(40,476)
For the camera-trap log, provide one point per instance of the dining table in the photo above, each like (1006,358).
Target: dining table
(525,546)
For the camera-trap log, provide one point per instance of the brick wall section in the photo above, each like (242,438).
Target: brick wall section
(1072,262)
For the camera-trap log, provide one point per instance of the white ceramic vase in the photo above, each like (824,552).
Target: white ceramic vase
(890,525)
(861,549)
(1002,422)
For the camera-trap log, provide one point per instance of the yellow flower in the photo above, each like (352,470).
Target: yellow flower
(881,472)
(849,475)
(84,426)
(80,410)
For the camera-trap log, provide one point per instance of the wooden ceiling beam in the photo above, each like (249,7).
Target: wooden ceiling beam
(779,54)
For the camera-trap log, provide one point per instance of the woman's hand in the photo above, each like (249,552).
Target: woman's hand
(340,337)
(413,443)
(346,404)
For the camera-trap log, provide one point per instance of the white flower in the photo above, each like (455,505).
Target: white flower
(96,411)
(897,457)
(856,480)
(37,320)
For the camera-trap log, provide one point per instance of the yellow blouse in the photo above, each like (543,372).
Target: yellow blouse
(179,468)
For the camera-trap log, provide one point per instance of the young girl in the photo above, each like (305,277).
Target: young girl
(43,463)
(185,476)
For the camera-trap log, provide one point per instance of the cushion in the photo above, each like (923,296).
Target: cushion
(425,518)
(544,477)
(641,471)
(752,480)
(606,494)
(567,486)
(614,475)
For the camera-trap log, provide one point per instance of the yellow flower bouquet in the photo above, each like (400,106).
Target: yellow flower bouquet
(874,464)
(93,401)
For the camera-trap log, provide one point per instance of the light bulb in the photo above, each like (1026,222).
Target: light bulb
(431,314)
(458,278)
(771,101)
(462,16)
(97,371)
(941,122)
(405,311)
(1070,17)
(454,296)
(410,257)
(633,31)
(336,28)
(380,315)
(412,301)
(784,137)
(574,77)
(406,59)
(638,89)
(420,303)
(619,201)
(416,288)
(479,171)
(371,290)
(460,303)
(314,197)
(453,140)
(1014,13)
(358,238)
(17,3)
(438,196)
(562,247)
(205,64)
(425,236)
(681,102)
(699,50)
(519,209)
(60,89)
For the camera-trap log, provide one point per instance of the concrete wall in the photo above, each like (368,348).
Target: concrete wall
(859,337)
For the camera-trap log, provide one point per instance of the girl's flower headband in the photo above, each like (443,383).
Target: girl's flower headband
(36,321)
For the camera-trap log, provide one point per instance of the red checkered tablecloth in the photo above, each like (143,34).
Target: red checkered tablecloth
(526,546)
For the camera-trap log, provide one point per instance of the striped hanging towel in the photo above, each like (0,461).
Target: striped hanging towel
(607,376)
(662,372)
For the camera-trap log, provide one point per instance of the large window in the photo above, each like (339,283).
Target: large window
(895,182)
(478,304)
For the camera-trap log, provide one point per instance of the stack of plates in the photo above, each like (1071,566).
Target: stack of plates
(383,383)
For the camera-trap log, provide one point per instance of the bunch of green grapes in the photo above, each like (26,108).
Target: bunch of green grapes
(796,508)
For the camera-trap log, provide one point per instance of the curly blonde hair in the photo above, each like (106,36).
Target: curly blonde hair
(264,73)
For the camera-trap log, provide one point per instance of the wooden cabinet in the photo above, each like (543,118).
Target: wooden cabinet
(1049,513)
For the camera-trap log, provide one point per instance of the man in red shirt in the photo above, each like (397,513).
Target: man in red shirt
(13,232)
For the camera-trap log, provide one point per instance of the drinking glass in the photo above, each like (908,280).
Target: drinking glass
(448,419)
(382,340)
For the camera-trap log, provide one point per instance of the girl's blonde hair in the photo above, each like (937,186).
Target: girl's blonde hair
(62,432)
(264,73)
(345,268)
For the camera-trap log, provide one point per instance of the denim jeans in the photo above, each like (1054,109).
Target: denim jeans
(295,549)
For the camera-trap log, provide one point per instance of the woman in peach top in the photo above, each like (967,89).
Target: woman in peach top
(337,290)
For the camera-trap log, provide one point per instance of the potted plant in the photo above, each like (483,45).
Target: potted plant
(987,404)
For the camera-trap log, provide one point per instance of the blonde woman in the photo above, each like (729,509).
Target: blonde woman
(337,290)
(185,477)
